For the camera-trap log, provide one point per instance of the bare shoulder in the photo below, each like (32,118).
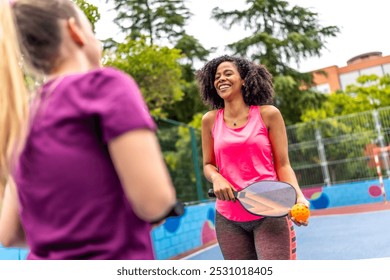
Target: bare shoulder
(208,118)
(270,114)
(269,110)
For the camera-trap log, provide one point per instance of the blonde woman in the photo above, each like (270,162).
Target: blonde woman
(13,116)
(88,171)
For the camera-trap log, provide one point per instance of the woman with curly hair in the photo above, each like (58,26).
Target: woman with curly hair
(244,140)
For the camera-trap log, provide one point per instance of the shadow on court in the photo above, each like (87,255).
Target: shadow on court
(350,236)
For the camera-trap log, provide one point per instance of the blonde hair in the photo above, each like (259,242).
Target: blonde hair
(13,93)
(29,34)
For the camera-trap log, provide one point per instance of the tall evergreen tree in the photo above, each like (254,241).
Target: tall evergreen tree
(162,22)
(192,51)
(279,35)
(155,19)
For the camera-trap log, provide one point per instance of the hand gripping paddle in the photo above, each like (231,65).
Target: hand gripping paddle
(266,198)
(176,210)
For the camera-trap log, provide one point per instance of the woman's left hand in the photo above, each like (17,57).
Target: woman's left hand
(303,200)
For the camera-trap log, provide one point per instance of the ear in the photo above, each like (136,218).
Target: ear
(75,32)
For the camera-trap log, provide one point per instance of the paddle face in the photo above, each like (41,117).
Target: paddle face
(267,198)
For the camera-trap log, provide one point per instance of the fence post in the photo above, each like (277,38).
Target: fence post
(195,158)
(321,153)
(381,141)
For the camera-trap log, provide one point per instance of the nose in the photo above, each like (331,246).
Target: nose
(221,78)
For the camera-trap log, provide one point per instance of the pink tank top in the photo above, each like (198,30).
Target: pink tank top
(243,156)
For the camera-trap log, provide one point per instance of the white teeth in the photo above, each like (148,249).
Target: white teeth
(224,86)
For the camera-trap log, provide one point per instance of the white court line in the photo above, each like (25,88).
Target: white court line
(375,259)
(200,251)
(215,245)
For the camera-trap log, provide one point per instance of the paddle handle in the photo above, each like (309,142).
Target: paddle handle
(211,193)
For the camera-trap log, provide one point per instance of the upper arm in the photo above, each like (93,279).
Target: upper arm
(129,130)
(207,138)
(140,166)
(277,134)
(118,103)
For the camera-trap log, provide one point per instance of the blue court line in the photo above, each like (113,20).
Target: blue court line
(334,237)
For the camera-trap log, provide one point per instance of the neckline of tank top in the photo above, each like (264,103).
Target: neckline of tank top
(238,127)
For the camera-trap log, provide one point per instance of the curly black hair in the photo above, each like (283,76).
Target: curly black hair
(258,89)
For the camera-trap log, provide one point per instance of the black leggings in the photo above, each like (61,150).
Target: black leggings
(264,239)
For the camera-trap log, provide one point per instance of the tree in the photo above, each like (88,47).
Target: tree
(192,49)
(89,10)
(185,109)
(162,23)
(349,136)
(154,19)
(368,93)
(293,101)
(279,35)
(176,143)
(156,70)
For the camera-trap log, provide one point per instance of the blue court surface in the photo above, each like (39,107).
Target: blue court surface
(334,237)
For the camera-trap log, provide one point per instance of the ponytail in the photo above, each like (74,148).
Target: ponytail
(13,93)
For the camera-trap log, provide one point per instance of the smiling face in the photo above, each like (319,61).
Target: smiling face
(227,81)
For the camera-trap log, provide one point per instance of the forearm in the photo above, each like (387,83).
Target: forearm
(11,230)
(210,172)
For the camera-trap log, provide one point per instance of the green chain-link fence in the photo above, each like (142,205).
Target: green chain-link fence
(182,150)
(323,153)
(338,150)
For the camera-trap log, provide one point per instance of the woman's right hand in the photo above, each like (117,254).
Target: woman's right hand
(223,190)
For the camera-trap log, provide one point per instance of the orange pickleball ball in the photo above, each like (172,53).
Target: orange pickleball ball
(300,212)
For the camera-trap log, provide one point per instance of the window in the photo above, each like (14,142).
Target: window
(323,88)
(386,68)
(377,70)
(348,79)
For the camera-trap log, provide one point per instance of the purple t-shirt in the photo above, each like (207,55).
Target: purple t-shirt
(72,203)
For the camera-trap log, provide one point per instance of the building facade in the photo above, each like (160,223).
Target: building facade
(333,78)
